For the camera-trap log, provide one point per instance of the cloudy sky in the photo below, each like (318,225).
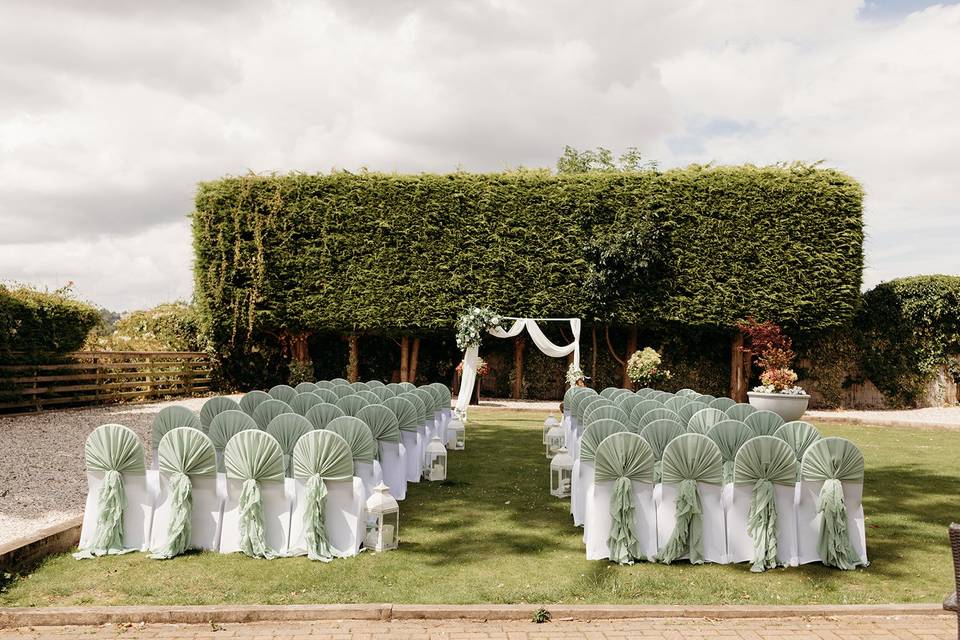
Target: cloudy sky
(111,111)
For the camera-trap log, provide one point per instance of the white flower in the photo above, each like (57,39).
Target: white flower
(494,320)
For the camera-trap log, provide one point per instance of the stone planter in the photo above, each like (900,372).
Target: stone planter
(788,407)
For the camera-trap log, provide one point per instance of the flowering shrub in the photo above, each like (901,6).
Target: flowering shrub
(574,375)
(472,324)
(644,368)
(773,352)
(483,367)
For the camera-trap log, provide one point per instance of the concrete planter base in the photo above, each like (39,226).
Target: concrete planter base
(788,407)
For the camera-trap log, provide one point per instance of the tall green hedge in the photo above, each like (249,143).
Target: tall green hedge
(403,253)
(909,328)
(36,323)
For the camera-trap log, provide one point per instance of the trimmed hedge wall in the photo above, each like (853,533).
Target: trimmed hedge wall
(406,253)
(908,330)
(36,323)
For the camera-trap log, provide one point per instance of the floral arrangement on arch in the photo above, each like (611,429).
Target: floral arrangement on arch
(643,368)
(472,324)
(574,375)
(772,351)
(483,367)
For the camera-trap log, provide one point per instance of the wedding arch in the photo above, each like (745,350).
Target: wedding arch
(495,328)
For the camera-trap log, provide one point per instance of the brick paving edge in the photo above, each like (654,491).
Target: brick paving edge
(75,616)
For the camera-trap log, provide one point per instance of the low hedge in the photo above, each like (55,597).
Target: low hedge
(37,323)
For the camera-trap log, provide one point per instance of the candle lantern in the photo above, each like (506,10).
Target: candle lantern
(561,473)
(456,435)
(384,520)
(436,468)
(548,424)
(555,440)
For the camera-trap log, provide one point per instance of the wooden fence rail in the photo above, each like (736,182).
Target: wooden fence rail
(100,377)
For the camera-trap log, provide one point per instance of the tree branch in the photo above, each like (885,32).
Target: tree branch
(606,332)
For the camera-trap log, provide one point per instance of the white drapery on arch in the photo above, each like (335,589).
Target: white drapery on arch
(469,377)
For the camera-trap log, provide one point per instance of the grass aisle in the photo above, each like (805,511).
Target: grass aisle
(492,533)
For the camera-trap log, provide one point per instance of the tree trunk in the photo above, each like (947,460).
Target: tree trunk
(739,374)
(412,364)
(631,347)
(519,344)
(353,360)
(593,352)
(404,357)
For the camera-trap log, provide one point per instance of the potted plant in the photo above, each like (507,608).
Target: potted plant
(643,368)
(772,351)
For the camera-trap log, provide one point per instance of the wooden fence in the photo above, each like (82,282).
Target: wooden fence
(100,377)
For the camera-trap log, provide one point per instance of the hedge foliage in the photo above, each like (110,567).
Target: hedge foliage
(909,328)
(37,323)
(708,246)
(172,326)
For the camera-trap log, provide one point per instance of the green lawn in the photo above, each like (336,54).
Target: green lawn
(492,533)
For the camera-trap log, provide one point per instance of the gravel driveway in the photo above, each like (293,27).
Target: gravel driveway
(42,480)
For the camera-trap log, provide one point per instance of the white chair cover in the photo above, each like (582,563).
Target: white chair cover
(582,473)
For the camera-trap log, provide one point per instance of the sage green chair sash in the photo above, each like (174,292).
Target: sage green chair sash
(764,423)
(382,422)
(729,436)
(580,401)
(351,404)
(436,396)
(407,386)
(722,403)
(373,384)
(113,450)
(740,411)
(382,393)
(170,418)
(213,406)
(646,392)
(417,402)
(253,457)
(705,398)
(623,458)
(359,385)
(356,434)
(228,424)
(592,404)
(687,392)
(609,392)
(445,396)
(252,399)
(340,381)
(689,410)
(764,461)
(324,384)
(627,402)
(326,395)
(676,402)
(395,388)
(688,459)
(607,412)
(305,387)
(369,396)
(834,461)
(640,409)
(183,453)
(283,392)
(268,410)
(304,402)
(407,415)
(342,390)
(321,414)
(703,420)
(799,435)
(658,435)
(659,414)
(286,429)
(595,433)
(429,402)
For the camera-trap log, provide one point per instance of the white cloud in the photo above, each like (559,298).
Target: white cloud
(110,113)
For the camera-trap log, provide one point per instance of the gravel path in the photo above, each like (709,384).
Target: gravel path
(42,481)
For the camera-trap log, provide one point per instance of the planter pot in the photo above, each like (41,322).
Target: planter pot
(786,406)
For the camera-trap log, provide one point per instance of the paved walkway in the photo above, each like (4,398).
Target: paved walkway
(839,628)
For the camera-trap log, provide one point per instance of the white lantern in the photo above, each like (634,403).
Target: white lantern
(548,424)
(456,436)
(555,440)
(561,473)
(383,528)
(436,468)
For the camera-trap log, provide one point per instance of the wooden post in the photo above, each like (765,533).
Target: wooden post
(519,344)
(353,360)
(412,364)
(404,358)
(738,373)
(593,352)
(631,347)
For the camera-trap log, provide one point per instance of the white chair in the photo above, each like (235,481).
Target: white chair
(187,482)
(119,509)
(329,520)
(363,448)
(385,427)
(692,477)
(623,476)
(831,477)
(583,466)
(408,419)
(765,472)
(254,464)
